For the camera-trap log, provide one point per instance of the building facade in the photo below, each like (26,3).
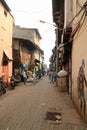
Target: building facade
(26,43)
(79,56)
(6,28)
(70,18)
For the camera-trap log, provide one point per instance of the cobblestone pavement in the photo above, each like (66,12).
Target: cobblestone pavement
(25,108)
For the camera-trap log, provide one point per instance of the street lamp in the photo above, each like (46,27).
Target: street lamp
(52,25)
(56,28)
(48,23)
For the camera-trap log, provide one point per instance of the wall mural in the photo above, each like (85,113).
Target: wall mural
(81,82)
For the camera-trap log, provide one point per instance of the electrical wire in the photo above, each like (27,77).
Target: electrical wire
(47,30)
(80,18)
(34,12)
(79,4)
(77,13)
(81,21)
(74,17)
(81,26)
(66,43)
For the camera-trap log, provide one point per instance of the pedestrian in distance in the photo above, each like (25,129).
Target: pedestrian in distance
(24,76)
(49,74)
(53,76)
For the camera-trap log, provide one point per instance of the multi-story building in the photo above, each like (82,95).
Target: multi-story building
(79,56)
(6,27)
(26,49)
(70,17)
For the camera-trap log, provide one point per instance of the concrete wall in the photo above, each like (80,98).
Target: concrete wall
(79,59)
(6,26)
(36,39)
(67,13)
(25,57)
(37,55)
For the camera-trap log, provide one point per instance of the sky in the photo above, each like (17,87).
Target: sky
(28,13)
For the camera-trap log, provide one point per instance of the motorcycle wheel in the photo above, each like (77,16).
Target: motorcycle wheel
(2,88)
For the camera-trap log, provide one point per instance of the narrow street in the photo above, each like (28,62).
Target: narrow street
(25,108)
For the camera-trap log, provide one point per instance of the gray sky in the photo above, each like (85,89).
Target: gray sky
(28,13)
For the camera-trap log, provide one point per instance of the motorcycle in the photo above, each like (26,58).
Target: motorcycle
(12,82)
(38,75)
(2,87)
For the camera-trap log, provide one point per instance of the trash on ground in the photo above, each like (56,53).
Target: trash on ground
(58,122)
(53,114)
(58,117)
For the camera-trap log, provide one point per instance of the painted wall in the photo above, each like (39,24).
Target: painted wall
(79,61)
(6,26)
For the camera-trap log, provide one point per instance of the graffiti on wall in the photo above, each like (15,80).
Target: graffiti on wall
(81,83)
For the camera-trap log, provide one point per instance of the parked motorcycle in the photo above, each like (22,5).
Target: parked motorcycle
(38,75)
(2,87)
(12,82)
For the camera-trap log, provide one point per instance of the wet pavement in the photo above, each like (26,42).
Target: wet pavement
(26,107)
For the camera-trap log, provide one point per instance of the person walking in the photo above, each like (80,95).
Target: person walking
(24,77)
(53,76)
(49,74)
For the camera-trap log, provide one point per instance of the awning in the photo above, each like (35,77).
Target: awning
(27,43)
(6,52)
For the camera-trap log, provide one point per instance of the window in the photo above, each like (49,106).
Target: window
(5,13)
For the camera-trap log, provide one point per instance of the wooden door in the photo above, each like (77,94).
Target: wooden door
(5,71)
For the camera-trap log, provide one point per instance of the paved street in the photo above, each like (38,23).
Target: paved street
(25,108)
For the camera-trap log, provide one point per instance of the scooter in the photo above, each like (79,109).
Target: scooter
(2,87)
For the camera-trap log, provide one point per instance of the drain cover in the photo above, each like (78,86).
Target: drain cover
(53,114)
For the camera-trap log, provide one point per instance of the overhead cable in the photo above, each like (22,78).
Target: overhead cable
(79,4)
(83,7)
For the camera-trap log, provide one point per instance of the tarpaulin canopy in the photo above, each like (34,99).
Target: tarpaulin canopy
(6,52)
